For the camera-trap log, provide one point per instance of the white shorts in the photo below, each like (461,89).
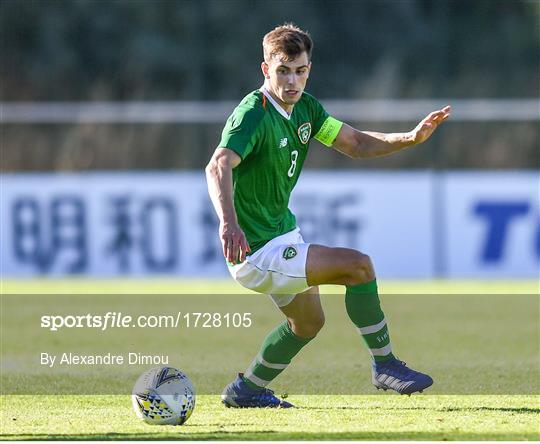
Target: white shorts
(277,269)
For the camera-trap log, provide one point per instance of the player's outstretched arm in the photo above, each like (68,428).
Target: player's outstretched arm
(220,187)
(355,143)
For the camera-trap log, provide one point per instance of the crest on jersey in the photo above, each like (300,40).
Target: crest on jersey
(289,253)
(304,132)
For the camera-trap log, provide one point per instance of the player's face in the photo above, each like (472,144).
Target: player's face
(286,80)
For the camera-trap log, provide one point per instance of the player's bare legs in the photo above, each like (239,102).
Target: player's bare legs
(305,317)
(338,266)
(305,313)
(344,266)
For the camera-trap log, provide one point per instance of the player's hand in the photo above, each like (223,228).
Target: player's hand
(425,128)
(234,243)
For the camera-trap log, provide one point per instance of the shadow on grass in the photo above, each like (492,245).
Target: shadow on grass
(495,409)
(271,435)
(519,410)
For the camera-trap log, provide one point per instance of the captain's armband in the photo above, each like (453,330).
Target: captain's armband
(329,131)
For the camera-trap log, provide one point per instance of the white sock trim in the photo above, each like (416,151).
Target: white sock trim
(372,328)
(262,361)
(255,379)
(381,351)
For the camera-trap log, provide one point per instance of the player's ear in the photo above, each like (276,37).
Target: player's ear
(265,70)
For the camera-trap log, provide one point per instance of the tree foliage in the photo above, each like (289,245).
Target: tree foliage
(211,49)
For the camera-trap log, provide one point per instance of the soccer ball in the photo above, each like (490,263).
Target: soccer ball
(163,396)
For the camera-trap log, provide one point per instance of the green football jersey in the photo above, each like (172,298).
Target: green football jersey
(273,147)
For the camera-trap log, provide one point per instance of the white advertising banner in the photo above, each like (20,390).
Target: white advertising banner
(108,224)
(141,224)
(385,215)
(493,224)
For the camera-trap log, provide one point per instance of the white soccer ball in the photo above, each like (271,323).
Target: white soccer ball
(163,396)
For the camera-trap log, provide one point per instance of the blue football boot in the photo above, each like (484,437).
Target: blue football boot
(239,394)
(394,374)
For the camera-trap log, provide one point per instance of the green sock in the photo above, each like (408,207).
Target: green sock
(364,310)
(277,351)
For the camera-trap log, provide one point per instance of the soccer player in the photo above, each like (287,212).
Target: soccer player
(250,178)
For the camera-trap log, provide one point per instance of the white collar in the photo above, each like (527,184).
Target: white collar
(277,106)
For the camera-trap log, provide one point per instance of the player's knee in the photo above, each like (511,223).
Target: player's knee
(308,328)
(360,268)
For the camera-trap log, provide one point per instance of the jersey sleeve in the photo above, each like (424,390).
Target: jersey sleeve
(325,127)
(241,131)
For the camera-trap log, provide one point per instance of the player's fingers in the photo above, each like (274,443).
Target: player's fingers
(435,120)
(437,115)
(233,256)
(230,245)
(441,118)
(225,245)
(230,253)
(427,121)
(241,254)
(234,249)
(244,248)
(445,112)
(241,251)
(432,115)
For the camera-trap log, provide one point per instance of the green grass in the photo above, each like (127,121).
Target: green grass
(391,417)
(482,351)
(228,286)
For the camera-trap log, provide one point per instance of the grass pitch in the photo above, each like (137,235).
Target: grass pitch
(435,416)
(391,417)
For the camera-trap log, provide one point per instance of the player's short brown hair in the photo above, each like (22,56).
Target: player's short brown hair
(288,40)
